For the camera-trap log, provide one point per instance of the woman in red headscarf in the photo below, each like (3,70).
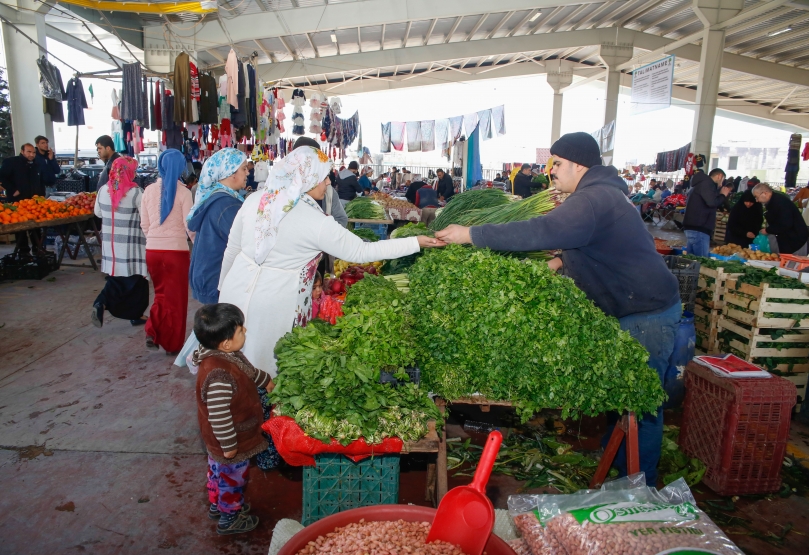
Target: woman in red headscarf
(123,247)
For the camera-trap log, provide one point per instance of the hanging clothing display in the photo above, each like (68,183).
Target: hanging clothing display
(144,91)
(793,160)
(158,106)
(238,115)
(298,100)
(319,104)
(499,120)
(133,106)
(182,89)
(485,124)
(53,106)
(49,85)
(208,99)
(805,154)
(384,146)
(428,136)
(470,122)
(151,109)
(76,102)
(672,160)
(252,92)
(397,134)
(442,134)
(455,128)
(414,136)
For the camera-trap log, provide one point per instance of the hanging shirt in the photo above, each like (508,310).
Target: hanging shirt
(232,70)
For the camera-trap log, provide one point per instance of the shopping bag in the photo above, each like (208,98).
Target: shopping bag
(191,345)
(762,242)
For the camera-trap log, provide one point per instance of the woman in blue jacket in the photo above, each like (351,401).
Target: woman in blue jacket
(216,204)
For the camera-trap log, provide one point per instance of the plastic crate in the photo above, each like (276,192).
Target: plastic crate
(70,185)
(687,274)
(380,229)
(13,266)
(738,427)
(413,373)
(336,484)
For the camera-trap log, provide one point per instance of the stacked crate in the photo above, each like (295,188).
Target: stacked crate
(721,228)
(749,329)
(709,304)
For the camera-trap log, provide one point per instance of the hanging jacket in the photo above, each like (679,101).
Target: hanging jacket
(348,186)
(784,220)
(703,200)
(606,248)
(744,220)
(76,102)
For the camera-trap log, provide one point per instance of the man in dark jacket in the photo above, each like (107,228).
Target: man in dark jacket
(106,151)
(522,182)
(46,160)
(784,222)
(610,255)
(21,178)
(446,188)
(413,188)
(700,210)
(348,185)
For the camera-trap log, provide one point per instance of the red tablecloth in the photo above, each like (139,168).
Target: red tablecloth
(299,449)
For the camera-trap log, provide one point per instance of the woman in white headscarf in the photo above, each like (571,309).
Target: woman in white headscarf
(275,245)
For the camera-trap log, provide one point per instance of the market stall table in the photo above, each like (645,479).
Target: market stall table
(64,227)
(406,214)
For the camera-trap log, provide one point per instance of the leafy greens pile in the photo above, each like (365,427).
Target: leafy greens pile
(411,230)
(365,234)
(328,376)
(513,330)
(363,208)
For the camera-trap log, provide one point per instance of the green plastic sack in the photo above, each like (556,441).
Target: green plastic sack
(762,242)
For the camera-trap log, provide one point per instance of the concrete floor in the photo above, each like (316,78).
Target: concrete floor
(101,451)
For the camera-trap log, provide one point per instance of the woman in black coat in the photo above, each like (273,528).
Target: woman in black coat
(744,221)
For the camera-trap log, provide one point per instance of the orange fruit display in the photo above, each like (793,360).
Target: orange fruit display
(40,209)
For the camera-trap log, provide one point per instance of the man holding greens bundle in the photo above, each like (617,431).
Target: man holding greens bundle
(608,252)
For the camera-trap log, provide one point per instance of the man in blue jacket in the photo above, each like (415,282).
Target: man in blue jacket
(610,255)
(46,160)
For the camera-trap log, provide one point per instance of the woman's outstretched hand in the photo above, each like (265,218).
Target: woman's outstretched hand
(429,242)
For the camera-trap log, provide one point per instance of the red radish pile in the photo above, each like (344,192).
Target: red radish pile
(350,276)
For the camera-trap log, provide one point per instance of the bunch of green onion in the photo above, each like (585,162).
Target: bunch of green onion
(517,211)
(363,208)
(462,203)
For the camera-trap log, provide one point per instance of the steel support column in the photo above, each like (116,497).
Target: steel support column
(560,75)
(613,55)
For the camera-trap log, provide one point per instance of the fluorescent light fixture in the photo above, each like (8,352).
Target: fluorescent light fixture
(333,37)
(535,16)
(774,33)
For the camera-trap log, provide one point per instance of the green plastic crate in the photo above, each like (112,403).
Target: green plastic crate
(336,484)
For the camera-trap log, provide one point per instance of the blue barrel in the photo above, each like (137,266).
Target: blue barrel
(684,343)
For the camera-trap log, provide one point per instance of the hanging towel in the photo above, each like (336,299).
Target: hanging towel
(455,128)
(414,136)
(428,136)
(470,121)
(441,131)
(499,120)
(397,131)
(485,122)
(385,144)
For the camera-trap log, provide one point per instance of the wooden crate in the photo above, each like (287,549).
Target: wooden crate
(800,381)
(759,345)
(7,238)
(716,289)
(708,343)
(762,302)
(720,229)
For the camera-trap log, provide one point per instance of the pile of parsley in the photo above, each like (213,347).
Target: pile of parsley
(513,330)
(328,376)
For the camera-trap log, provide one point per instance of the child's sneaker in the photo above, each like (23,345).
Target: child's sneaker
(237,523)
(214,514)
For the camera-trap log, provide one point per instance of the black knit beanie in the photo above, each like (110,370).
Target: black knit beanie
(580,148)
(353,165)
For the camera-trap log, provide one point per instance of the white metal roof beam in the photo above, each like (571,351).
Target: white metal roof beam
(312,44)
(585,23)
(289,49)
(640,11)
(429,32)
(453,29)
(522,22)
(407,34)
(476,27)
(382,38)
(663,18)
(740,38)
(82,46)
(569,17)
(312,19)
(543,20)
(262,7)
(499,24)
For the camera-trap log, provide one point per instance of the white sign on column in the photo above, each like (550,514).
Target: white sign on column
(651,86)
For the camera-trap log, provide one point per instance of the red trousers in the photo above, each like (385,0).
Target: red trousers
(167,317)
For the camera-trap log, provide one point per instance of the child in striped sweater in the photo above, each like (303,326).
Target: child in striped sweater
(229,413)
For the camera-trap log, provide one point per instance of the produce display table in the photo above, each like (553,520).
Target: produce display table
(406,214)
(64,227)
(358,221)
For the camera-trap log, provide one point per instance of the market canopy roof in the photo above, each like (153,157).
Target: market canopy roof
(349,46)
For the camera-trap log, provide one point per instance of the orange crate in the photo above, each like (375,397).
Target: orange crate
(794,263)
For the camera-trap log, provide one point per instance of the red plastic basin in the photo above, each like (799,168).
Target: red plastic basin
(409,513)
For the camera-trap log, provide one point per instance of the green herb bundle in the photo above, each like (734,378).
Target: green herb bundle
(513,330)
(328,376)
(411,230)
(464,202)
(365,234)
(363,208)
(517,211)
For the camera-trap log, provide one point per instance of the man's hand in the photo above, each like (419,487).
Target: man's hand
(555,264)
(763,232)
(429,242)
(231,454)
(725,191)
(751,235)
(454,233)
(50,154)
(16,194)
